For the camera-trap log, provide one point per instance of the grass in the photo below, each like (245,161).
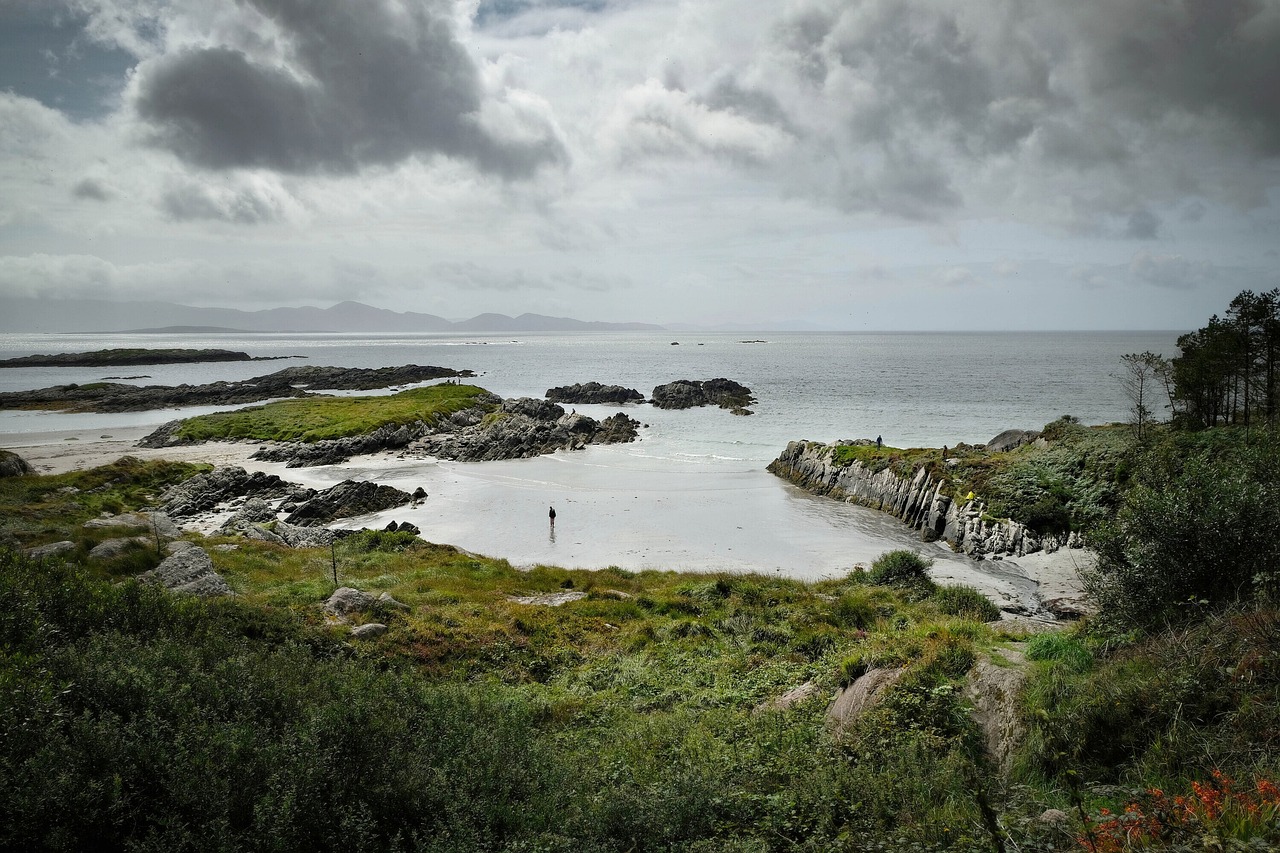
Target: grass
(317,419)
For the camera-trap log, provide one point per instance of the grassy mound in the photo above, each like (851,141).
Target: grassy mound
(316,419)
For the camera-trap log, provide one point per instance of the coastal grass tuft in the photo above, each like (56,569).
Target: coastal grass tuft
(320,418)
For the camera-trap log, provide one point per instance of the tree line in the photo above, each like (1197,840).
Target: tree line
(1228,372)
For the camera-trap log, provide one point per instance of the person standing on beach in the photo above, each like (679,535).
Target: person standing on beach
(551,514)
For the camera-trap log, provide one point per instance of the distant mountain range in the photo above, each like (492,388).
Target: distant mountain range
(20,314)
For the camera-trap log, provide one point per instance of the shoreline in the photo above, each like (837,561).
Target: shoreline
(479,506)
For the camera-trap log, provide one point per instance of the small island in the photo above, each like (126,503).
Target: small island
(128,357)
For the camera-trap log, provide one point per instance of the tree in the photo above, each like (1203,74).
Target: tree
(1141,377)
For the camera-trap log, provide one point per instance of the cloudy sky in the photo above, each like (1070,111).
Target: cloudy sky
(853,164)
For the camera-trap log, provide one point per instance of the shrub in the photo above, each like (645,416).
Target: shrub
(902,569)
(1066,650)
(966,602)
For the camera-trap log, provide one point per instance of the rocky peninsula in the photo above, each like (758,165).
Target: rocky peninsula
(456,422)
(300,381)
(122,357)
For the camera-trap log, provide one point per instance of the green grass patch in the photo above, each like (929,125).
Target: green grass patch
(319,418)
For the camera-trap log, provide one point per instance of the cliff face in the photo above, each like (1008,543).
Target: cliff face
(919,502)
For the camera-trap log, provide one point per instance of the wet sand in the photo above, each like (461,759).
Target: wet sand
(615,505)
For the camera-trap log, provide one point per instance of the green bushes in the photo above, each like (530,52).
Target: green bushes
(1198,528)
(966,602)
(901,569)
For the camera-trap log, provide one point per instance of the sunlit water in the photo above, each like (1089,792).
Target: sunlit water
(692,493)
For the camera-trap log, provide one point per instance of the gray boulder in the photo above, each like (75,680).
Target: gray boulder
(861,696)
(53,549)
(112,548)
(346,600)
(157,522)
(203,492)
(190,572)
(993,691)
(296,536)
(13,465)
(368,631)
(1011,439)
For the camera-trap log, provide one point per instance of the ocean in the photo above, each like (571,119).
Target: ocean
(693,492)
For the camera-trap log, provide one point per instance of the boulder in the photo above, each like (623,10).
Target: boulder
(368,631)
(993,691)
(13,465)
(346,600)
(539,410)
(594,393)
(792,697)
(1011,439)
(190,572)
(53,549)
(157,522)
(255,510)
(111,548)
(859,697)
(296,536)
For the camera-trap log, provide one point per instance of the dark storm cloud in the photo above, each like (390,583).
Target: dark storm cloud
(1142,225)
(371,83)
(91,189)
(1142,90)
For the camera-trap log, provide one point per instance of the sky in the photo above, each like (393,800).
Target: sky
(835,164)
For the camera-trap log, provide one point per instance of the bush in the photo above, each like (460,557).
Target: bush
(901,569)
(966,602)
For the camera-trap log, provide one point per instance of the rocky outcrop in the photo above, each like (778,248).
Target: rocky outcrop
(919,501)
(860,696)
(13,465)
(345,500)
(53,549)
(290,382)
(993,690)
(339,450)
(688,393)
(157,523)
(594,393)
(347,600)
(523,428)
(203,492)
(1011,439)
(190,571)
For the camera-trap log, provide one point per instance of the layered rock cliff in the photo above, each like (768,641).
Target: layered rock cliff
(923,502)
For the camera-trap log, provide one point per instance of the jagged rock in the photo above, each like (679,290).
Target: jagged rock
(386,600)
(205,491)
(157,522)
(993,691)
(918,502)
(594,393)
(860,696)
(109,549)
(346,499)
(346,600)
(179,545)
(541,410)
(369,631)
(13,465)
(338,450)
(53,549)
(419,494)
(296,536)
(792,697)
(518,434)
(687,393)
(255,510)
(190,572)
(402,527)
(1011,439)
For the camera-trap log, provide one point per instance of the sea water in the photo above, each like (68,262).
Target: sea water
(692,493)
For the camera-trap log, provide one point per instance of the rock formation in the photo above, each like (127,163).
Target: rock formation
(345,500)
(13,465)
(919,502)
(189,571)
(688,393)
(594,392)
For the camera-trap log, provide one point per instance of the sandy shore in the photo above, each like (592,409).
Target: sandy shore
(60,451)
(610,514)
